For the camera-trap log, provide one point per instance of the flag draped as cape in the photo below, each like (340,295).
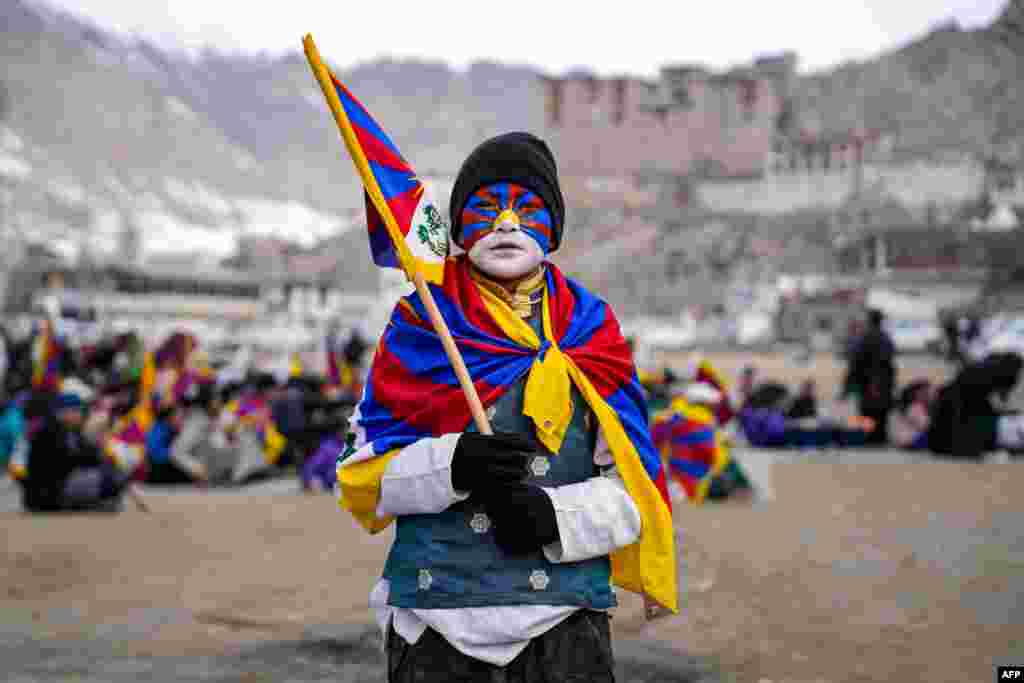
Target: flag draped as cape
(412,392)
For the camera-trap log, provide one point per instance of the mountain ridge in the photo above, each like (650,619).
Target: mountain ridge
(129,129)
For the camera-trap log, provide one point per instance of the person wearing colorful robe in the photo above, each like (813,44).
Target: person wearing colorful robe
(344,365)
(49,357)
(507,545)
(12,425)
(248,424)
(58,467)
(688,437)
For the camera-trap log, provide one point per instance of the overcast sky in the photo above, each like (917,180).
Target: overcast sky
(633,37)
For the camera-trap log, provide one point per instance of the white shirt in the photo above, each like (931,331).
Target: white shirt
(594,517)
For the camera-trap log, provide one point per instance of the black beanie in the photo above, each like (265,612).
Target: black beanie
(519,158)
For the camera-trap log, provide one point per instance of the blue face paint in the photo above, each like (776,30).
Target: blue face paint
(506,201)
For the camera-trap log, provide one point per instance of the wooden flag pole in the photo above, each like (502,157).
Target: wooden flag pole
(476,408)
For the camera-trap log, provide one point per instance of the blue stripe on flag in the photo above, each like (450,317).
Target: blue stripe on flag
(624,402)
(382,249)
(699,436)
(392,182)
(357,115)
(697,470)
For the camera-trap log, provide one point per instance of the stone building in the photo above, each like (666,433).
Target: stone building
(689,120)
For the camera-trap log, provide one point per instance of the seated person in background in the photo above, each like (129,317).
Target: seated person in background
(318,471)
(59,468)
(909,422)
(762,419)
(805,404)
(765,425)
(247,423)
(168,459)
(745,384)
(965,423)
(12,426)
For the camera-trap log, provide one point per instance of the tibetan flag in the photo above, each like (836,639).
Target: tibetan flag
(689,441)
(46,352)
(125,445)
(406,227)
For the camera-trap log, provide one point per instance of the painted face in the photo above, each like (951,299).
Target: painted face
(492,204)
(506,229)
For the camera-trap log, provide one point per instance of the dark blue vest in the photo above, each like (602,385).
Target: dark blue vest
(450,560)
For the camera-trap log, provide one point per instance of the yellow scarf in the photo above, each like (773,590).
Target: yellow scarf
(522,299)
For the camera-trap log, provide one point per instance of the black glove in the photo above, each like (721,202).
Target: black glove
(524,518)
(490,460)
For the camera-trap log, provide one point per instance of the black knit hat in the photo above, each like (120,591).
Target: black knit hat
(519,158)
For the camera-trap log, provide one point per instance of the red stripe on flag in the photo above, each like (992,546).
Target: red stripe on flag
(605,359)
(376,150)
(403,207)
(401,393)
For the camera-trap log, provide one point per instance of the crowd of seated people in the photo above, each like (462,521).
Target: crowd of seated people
(78,426)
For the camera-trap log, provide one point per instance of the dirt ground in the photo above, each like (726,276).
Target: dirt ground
(855,572)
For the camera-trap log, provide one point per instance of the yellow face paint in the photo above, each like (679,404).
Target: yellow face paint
(507,216)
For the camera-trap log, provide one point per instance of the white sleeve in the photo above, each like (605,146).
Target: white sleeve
(419,479)
(594,517)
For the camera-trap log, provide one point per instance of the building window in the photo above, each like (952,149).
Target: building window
(620,92)
(748,95)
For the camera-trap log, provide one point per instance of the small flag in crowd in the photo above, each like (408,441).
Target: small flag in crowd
(46,353)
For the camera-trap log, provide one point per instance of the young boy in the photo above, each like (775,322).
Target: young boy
(507,544)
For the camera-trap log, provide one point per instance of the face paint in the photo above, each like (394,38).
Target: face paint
(510,203)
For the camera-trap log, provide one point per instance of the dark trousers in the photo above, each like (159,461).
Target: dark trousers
(578,649)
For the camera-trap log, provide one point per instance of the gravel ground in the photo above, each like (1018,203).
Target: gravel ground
(346,654)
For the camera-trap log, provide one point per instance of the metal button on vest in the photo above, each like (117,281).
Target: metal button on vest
(491,412)
(540,466)
(425,579)
(480,523)
(539,579)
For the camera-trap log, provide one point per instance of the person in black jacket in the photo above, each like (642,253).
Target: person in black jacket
(805,404)
(63,469)
(871,376)
(965,423)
